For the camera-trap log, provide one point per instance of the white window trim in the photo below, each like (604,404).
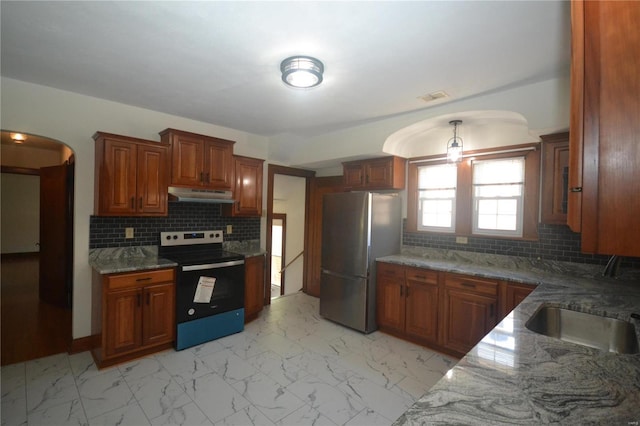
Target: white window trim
(499,232)
(451,229)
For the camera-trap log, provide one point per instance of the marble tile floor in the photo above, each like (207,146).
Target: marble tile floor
(288,367)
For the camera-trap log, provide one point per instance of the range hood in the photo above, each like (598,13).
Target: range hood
(194,195)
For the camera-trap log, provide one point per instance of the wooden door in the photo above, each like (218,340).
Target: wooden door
(248,186)
(354,176)
(390,303)
(152,179)
(611,129)
(514,294)
(378,173)
(187,160)
(119,178)
(218,164)
(56,235)
(468,317)
(254,270)
(313,244)
(158,320)
(123,328)
(422,301)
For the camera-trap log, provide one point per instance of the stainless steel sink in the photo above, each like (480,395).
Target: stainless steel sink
(594,331)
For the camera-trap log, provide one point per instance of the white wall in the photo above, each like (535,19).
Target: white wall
(73,119)
(289,198)
(543,105)
(20,213)
(30,157)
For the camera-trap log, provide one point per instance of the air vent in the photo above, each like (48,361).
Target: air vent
(430,97)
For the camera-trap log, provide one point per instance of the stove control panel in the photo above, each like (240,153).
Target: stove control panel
(181,238)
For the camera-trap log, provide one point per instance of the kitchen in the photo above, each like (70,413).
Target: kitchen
(545,104)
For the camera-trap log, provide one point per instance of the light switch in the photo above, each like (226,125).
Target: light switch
(128,233)
(462,240)
(229,229)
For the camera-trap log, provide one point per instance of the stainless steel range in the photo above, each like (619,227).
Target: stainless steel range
(209,286)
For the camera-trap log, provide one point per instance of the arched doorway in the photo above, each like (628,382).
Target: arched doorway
(37,247)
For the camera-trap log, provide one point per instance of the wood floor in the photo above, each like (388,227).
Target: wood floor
(30,328)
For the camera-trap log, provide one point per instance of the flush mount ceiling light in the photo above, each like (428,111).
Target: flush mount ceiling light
(454,146)
(302,71)
(18,137)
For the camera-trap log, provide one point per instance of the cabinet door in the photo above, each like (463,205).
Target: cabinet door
(555,178)
(353,175)
(254,286)
(248,187)
(379,173)
(187,160)
(218,164)
(152,179)
(158,321)
(390,296)
(118,180)
(468,317)
(610,128)
(123,321)
(421,295)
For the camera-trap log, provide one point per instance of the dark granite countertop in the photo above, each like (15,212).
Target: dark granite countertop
(127,259)
(516,376)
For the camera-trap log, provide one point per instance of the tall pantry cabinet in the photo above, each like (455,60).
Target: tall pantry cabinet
(604,181)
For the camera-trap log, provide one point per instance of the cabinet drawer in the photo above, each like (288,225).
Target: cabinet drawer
(472,284)
(138,279)
(390,270)
(422,275)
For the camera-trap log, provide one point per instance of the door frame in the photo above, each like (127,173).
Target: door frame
(273,170)
(282,217)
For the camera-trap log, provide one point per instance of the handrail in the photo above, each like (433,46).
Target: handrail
(289,264)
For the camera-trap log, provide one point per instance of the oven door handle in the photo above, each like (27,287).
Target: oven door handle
(212,265)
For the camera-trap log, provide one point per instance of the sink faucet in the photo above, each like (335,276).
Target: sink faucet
(612,266)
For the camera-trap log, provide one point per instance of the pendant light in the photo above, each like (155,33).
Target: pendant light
(454,146)
(302,71)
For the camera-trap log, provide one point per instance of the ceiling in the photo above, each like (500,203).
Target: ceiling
(218,62)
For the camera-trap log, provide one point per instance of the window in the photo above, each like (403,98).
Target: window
(437,197)
(491,193)
(498,189)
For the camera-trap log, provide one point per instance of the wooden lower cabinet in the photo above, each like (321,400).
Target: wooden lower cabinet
(407,301)
(133,314)
(422,304)
(446,311)
(254,282)
(470,310)
(512,295)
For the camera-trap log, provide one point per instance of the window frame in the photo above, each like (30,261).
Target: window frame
(447,230)
(464,217)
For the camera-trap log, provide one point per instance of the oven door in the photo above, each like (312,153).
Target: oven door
(228,290)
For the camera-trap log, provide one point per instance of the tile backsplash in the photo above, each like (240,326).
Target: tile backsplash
(110,231)
(556,242)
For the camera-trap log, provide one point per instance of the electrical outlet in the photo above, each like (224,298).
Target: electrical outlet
(462,240)
(128,233)
(229,229)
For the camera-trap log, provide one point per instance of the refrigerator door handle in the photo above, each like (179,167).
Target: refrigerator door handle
(335,274)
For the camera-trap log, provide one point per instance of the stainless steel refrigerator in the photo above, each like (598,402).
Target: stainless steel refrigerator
(357,228)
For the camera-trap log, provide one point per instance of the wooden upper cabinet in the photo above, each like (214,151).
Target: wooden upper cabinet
(199,160)
(605,131)
(555,178)
(247,189)
(132,176)
(378,173)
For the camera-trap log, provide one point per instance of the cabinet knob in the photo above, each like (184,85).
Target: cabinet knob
(576,189)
